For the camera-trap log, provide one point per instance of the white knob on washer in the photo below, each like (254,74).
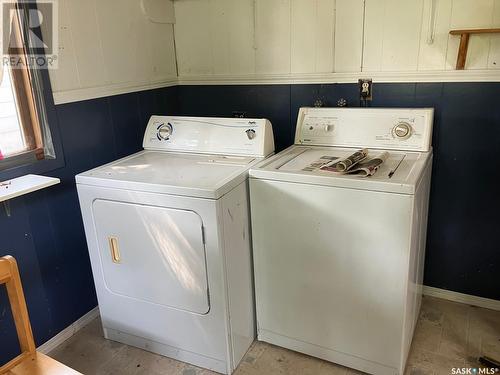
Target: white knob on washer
(165,131)
(402,130)
(250,134)
(328,128)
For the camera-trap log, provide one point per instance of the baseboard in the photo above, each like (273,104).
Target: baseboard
(449,295)
(68,331)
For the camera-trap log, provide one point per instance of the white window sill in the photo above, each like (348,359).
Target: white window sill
(23,185)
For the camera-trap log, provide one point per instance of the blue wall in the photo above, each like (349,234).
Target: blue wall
(45,231)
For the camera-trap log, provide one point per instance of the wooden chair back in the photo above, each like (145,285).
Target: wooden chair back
(9,275)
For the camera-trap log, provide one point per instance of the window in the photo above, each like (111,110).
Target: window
(24,132)
(11,135)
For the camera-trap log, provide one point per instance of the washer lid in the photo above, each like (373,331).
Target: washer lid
(400,173)
(196,175)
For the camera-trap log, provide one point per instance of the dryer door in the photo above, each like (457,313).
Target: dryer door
(153,254)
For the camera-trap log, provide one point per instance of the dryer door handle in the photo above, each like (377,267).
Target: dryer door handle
(115,251)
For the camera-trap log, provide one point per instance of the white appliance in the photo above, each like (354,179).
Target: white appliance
(168,236)
(339,259)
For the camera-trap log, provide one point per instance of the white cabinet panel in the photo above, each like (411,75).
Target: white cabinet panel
(348,35)
(272,33)
(392,34)
(312,36)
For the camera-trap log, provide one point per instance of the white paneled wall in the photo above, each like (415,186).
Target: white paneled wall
(272,39)
(392,34)
(482,14)
(272,36)
(312,36)
(227,37)
(434,36)
(349,18)
(113,46)
(215,36)
(397,34)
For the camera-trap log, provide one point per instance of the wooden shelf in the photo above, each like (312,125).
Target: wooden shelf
(464,42)
(24,185)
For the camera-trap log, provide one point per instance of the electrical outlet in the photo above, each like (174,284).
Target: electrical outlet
(365,89)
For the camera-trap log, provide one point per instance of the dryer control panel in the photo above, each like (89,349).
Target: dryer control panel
(238,136)
(383,128)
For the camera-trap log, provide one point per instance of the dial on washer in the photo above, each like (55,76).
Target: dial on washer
(165,131)
(250,134)
(402,130)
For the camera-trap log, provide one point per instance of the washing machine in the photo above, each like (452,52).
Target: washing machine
(339,258)
(168,235)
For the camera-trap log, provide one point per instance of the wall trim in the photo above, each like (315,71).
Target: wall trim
(315,78)
(449,295)
(68,331)
(77,95)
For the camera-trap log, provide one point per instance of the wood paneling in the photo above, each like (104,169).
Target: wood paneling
(111,43)
(392,35)
(432,55)
(272,36)
(349,18)
(312,36)
(245,40)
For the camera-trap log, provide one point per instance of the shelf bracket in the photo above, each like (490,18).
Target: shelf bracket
(6,206)
(464,43)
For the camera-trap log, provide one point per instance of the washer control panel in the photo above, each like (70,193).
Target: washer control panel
(383,128)
(239,136)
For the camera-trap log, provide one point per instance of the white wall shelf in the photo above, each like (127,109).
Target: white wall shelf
(24,185)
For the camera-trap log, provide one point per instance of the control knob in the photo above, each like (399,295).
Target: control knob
(250,134)
(165,131)
(402,130)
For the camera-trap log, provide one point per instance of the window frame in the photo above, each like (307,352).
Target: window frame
(32,161)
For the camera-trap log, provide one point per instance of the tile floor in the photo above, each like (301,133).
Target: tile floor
(447,335)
